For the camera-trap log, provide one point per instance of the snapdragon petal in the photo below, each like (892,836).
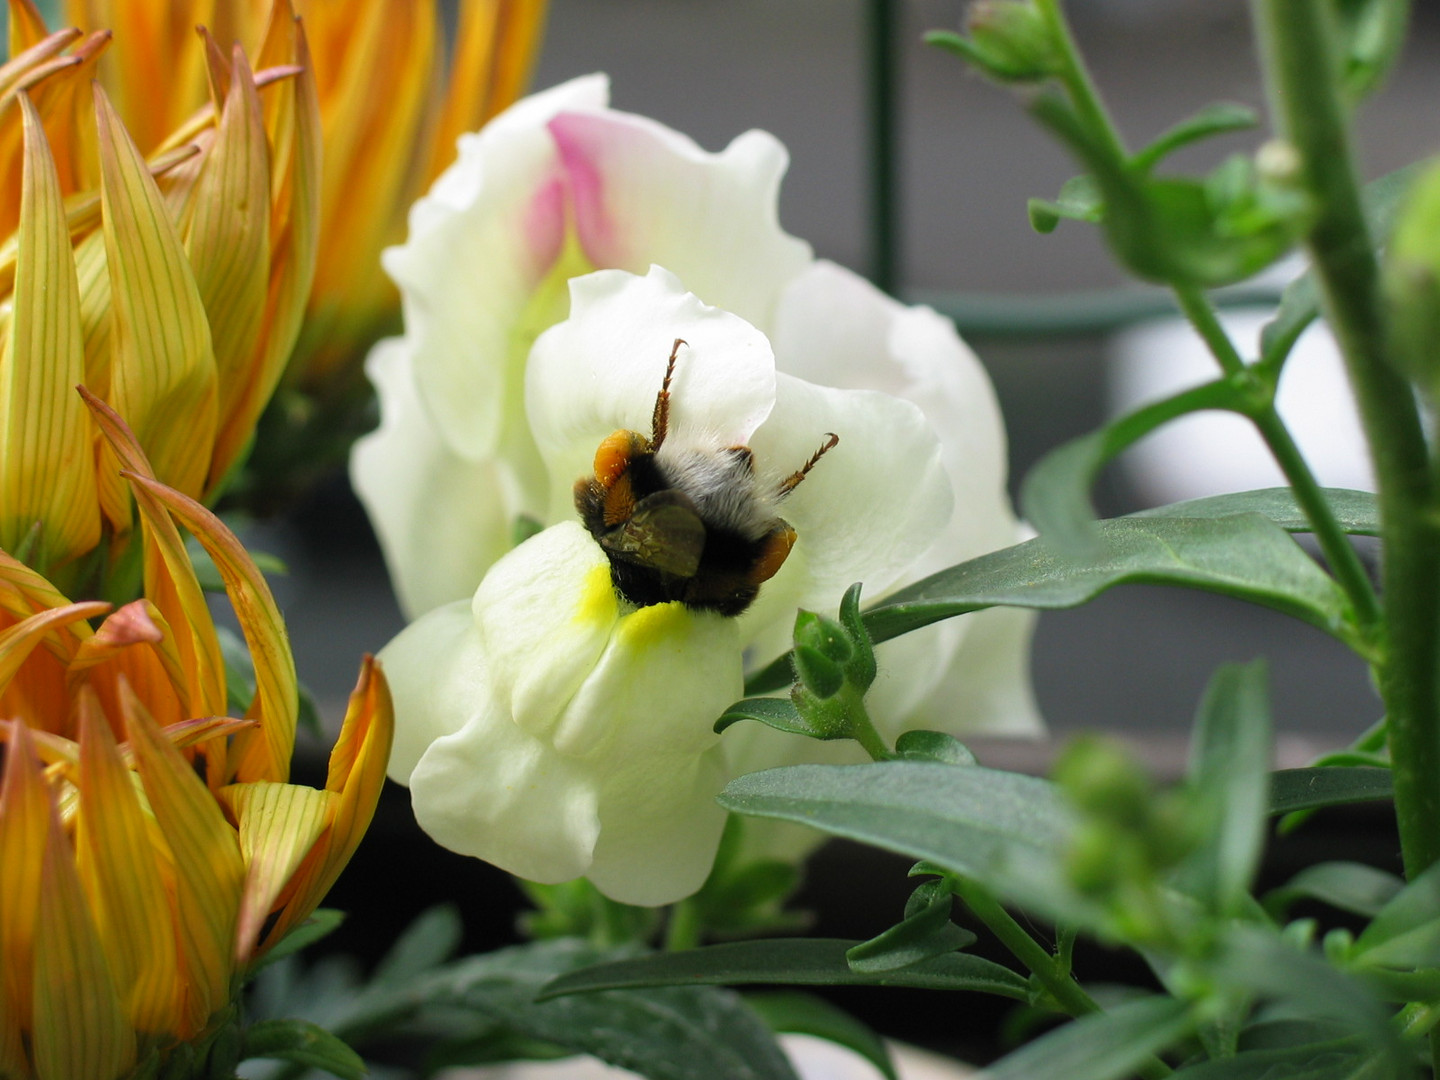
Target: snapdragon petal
(438,678)
(601,369)
(642,194)
(440,517)
(480,242)
(865,512)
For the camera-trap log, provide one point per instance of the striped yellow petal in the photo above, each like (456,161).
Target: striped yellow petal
(119,871)
(27,26)
(265,753)
(162,368)
(169,578)
(209,872)
(136,642)
(228,242)
(47,471)
(24,824)
(279,824)
(79,1029)
(356,775)
(293,119)
(18,641)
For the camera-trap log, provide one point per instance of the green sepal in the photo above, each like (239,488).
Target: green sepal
(925,932)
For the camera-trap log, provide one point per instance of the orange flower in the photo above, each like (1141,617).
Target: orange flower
(173,288)
(150,847)
(391,108)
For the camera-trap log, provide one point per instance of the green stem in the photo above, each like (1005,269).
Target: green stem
(862,728)
(683,929)
(1081,87)
(1061,986)
(883,17)
(1298,42)
(1339,552)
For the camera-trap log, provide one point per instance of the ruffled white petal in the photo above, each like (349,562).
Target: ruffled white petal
(479,245)
(438,681)
(403,473)
(601,369)
(646,194)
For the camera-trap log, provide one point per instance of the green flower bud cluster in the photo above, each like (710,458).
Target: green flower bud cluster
(834,664)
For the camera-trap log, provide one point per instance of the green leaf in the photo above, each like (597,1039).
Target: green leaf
(1055,496)
(925,932)
(1349,886)
(1356,511)
(669,1033)
(1306,789)
(799,1013)
(1255,960)
(1229,755)
(1218,119)
(425,944)
(790,962)
(1244,555)
(933,746)
(1001,829)
(303,1043)
(321,923)
(1406,932)
(1101,1046)
(1336,1059)
(778,713)
(1079,200)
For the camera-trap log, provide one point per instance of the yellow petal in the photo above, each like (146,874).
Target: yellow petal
(209,873)
(136,642)
(47,472)
(293,121)
(279,824)
(263,754)
(356,775)
(18,641)
(24,824)
(124,880)
(229,246)
(162,368)
(169,578)
(27,26)
(79,1031)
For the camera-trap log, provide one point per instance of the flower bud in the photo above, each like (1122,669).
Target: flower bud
(817,673)
(1009,40)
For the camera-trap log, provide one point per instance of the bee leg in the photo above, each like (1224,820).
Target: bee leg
(792,481)
(774,550)
(660,418)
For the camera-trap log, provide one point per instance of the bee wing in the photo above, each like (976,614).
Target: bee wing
(664,533)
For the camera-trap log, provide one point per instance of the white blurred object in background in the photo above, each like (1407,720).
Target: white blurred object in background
(1211,453)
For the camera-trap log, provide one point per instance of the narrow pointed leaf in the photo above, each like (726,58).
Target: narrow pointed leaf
(1406,931)
(1356,512)
(1102,1046)
(162,370)
(1349,886)
(1309,789)
(1001,829)
(788,961)
(303,1043)
(796,1013)
(1244,556)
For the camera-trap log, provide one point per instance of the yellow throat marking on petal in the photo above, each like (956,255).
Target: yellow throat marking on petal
(598,603)
(653,625)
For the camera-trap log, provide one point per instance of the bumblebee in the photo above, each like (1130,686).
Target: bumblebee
(686,523)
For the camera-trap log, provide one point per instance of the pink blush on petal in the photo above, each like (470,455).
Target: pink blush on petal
(545,224)
(575,137)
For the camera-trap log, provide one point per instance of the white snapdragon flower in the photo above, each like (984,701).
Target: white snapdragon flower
(546,723)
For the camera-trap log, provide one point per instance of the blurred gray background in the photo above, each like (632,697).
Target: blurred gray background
(1136,660)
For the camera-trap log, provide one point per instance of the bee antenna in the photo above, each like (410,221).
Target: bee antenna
(660,418)
(793,480)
